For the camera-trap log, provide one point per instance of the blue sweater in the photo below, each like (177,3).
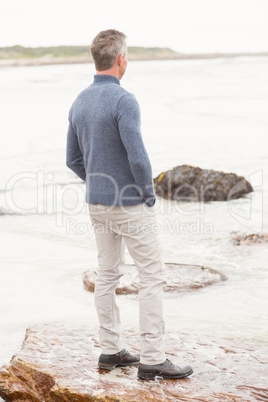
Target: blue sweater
(105,146)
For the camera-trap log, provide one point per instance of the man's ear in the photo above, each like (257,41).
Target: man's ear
(120,60)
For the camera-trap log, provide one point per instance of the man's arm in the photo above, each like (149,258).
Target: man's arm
(130,133)
(74,157)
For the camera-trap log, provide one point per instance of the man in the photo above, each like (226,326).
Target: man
(105,149)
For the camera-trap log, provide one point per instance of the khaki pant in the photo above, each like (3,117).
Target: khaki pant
(135,226)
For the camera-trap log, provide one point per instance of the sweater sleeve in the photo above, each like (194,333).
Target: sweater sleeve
(130,133)
(74,156)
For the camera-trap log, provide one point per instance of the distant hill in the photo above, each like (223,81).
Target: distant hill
(19,55)
(20,52)
(80,52)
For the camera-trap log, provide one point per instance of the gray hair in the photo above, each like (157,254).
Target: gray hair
(106,47)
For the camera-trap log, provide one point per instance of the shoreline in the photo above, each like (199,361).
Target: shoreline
(49,60)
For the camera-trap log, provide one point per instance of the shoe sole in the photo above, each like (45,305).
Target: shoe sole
(107,367)
(151,376)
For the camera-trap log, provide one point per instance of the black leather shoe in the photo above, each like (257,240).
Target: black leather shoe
(123,358)
(166,370)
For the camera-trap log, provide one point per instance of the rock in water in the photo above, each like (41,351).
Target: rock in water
(58,362)
(189,183)
(180,278)
(249,239)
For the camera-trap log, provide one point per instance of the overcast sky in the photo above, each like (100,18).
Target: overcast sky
(183,25)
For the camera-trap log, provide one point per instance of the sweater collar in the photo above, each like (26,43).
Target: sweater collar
(103,78)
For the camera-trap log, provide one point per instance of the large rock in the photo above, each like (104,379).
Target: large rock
(59,363)
(189,183)
(180,278)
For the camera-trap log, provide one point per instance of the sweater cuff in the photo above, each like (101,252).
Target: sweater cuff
(150,201)
(148,194)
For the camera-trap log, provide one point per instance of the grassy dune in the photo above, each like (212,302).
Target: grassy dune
(19,55)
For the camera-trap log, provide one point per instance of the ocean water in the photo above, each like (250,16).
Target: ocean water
(206,113)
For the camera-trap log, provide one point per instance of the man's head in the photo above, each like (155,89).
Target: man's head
(108,48)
